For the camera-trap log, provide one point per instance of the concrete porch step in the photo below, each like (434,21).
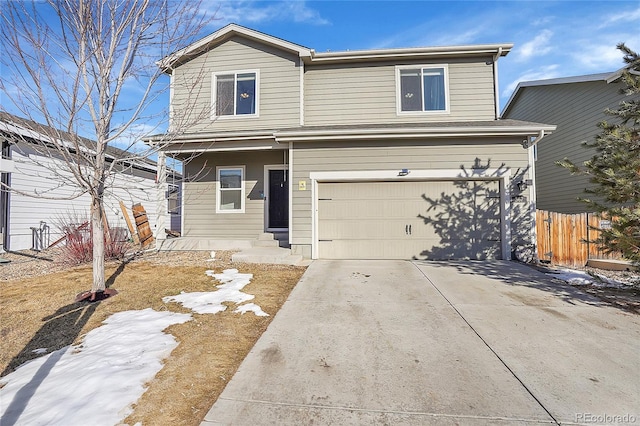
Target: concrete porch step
(270,239)
(274,255)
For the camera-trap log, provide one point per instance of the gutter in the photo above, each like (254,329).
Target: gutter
(533,143)
(297,136)
(496,93)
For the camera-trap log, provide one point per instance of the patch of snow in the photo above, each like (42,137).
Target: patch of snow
(573,277)
(582,278)
(212,302)
(40,351)
(95,382)
(251,307)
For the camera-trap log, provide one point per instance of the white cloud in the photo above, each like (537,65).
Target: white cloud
(540,73)
(466,37)
(252,12)
(619,18)
(604,56)
(538,46)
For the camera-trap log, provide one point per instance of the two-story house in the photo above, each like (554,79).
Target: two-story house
(373,154)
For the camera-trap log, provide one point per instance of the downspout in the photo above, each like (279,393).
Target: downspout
(533,199)
(496,93)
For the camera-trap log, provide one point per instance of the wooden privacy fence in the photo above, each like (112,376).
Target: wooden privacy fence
(562,238)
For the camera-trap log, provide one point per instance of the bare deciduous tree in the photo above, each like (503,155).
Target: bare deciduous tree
(86,70)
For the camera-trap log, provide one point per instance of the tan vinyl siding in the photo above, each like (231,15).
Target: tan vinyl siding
(199,192)
(359,94)
(576,109)
(279,87)
(418,155)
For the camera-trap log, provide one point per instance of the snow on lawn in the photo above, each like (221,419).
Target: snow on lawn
(229,291)
(582,278)
(95,382)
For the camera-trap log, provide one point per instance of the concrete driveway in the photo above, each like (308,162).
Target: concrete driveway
(414,343)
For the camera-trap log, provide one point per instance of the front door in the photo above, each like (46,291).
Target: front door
(278,199)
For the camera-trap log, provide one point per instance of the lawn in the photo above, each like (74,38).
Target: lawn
(40,312)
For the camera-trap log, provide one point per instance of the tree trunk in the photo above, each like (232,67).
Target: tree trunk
(97,232)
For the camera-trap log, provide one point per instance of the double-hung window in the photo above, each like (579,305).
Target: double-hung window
(235,94)
(230,193)
(422,89)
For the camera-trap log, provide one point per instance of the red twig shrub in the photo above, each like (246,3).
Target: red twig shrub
(77,247)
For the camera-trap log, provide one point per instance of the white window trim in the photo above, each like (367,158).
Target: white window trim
(219,190)
(235,116)
(447,100)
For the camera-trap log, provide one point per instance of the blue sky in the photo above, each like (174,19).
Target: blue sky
(551,38)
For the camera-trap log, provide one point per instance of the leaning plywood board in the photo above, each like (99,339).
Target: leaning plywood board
(142,224)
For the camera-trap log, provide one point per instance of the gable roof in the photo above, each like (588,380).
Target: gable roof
(168,63)
(607,77)
(28,131)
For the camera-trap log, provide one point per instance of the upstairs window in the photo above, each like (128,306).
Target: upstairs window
(422,89)
(230,192)
(235,94)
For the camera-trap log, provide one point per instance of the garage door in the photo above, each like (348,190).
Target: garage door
(409,220)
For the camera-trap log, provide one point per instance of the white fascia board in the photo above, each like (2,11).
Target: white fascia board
(209,137)
(408,53)
(232,29)
(412,133)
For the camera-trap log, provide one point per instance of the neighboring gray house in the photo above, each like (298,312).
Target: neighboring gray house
(374,154)
(28,170)
(576,105)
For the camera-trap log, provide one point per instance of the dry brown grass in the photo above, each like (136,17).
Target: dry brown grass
(39,313)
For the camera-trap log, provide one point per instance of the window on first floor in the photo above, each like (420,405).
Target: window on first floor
(422,89)
(235,94)
(230,190)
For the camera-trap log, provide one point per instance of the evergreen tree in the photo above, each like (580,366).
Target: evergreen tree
(614,170)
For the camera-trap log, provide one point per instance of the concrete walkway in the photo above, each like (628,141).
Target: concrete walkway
(414,343)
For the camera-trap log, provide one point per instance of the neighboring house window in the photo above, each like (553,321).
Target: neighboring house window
(235,94)
(422,89)
(230,196)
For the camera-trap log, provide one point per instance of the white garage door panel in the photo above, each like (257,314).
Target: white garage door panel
(409,220)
